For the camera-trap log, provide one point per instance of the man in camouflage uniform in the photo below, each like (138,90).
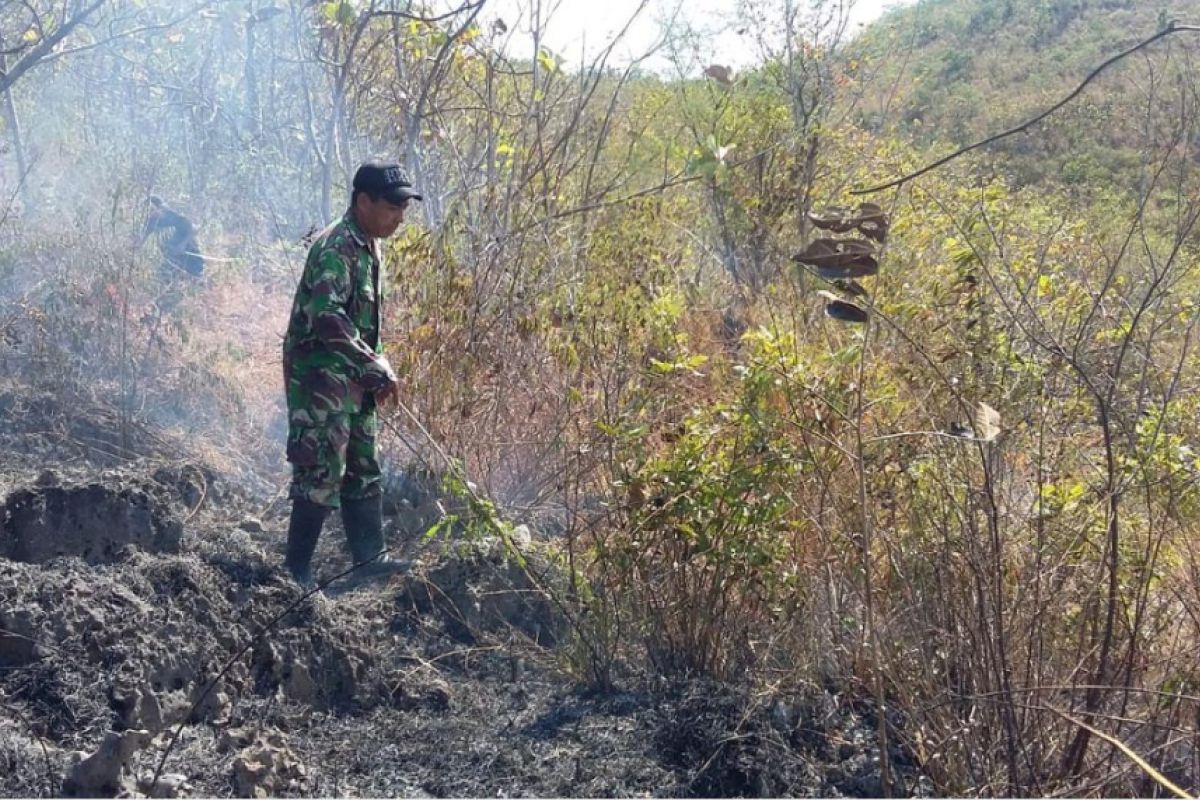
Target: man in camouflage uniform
(176,239)
(335,374)
(182,263)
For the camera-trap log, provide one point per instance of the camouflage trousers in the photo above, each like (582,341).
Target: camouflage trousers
(335,459)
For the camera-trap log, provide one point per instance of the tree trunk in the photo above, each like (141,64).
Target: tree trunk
(14,126)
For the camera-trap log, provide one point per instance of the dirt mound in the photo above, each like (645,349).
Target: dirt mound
(482,593)
(94,521)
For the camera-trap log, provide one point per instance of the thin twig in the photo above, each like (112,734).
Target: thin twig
(1157,776)
(1167,31)
(427,20)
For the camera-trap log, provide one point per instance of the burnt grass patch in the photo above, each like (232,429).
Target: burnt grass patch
(121,629)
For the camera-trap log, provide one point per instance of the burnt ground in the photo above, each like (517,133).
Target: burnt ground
(128,589)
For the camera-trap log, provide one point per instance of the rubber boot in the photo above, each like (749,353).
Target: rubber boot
(363,520)
(303,531)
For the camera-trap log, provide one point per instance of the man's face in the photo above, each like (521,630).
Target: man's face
(379,218)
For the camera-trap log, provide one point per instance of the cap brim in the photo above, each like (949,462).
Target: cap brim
(401,195)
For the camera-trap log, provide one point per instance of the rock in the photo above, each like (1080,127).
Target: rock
(267,767)
(100,774)
(149,714)
(251,776)
(251,525)
(170,784)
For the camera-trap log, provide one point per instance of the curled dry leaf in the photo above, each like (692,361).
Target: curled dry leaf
(830,252)
(840,258)
(841,310)
(838,219)
(868,218)
(859,268)
(987,422)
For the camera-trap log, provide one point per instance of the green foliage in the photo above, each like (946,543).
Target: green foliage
(709,542)
(339,12)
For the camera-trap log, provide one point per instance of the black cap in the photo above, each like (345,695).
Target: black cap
(386,180)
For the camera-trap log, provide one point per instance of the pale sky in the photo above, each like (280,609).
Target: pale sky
(576,27)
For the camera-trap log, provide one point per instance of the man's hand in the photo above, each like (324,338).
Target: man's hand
(389,395)
(380,380)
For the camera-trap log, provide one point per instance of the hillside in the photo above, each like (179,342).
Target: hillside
(951,72)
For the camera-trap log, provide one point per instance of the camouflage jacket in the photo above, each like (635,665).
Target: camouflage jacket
(332,354)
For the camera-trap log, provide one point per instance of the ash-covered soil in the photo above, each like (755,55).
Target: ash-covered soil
(142,613)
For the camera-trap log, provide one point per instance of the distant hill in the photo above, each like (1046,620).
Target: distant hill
(950,72)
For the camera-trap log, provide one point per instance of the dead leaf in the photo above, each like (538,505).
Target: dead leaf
(830,252)
(832,218)
(859,268)
(868,218)
(840,258)
(841,310)
(987,423)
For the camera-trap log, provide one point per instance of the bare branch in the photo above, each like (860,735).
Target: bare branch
(130,32)
(42,49)
(478,5)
